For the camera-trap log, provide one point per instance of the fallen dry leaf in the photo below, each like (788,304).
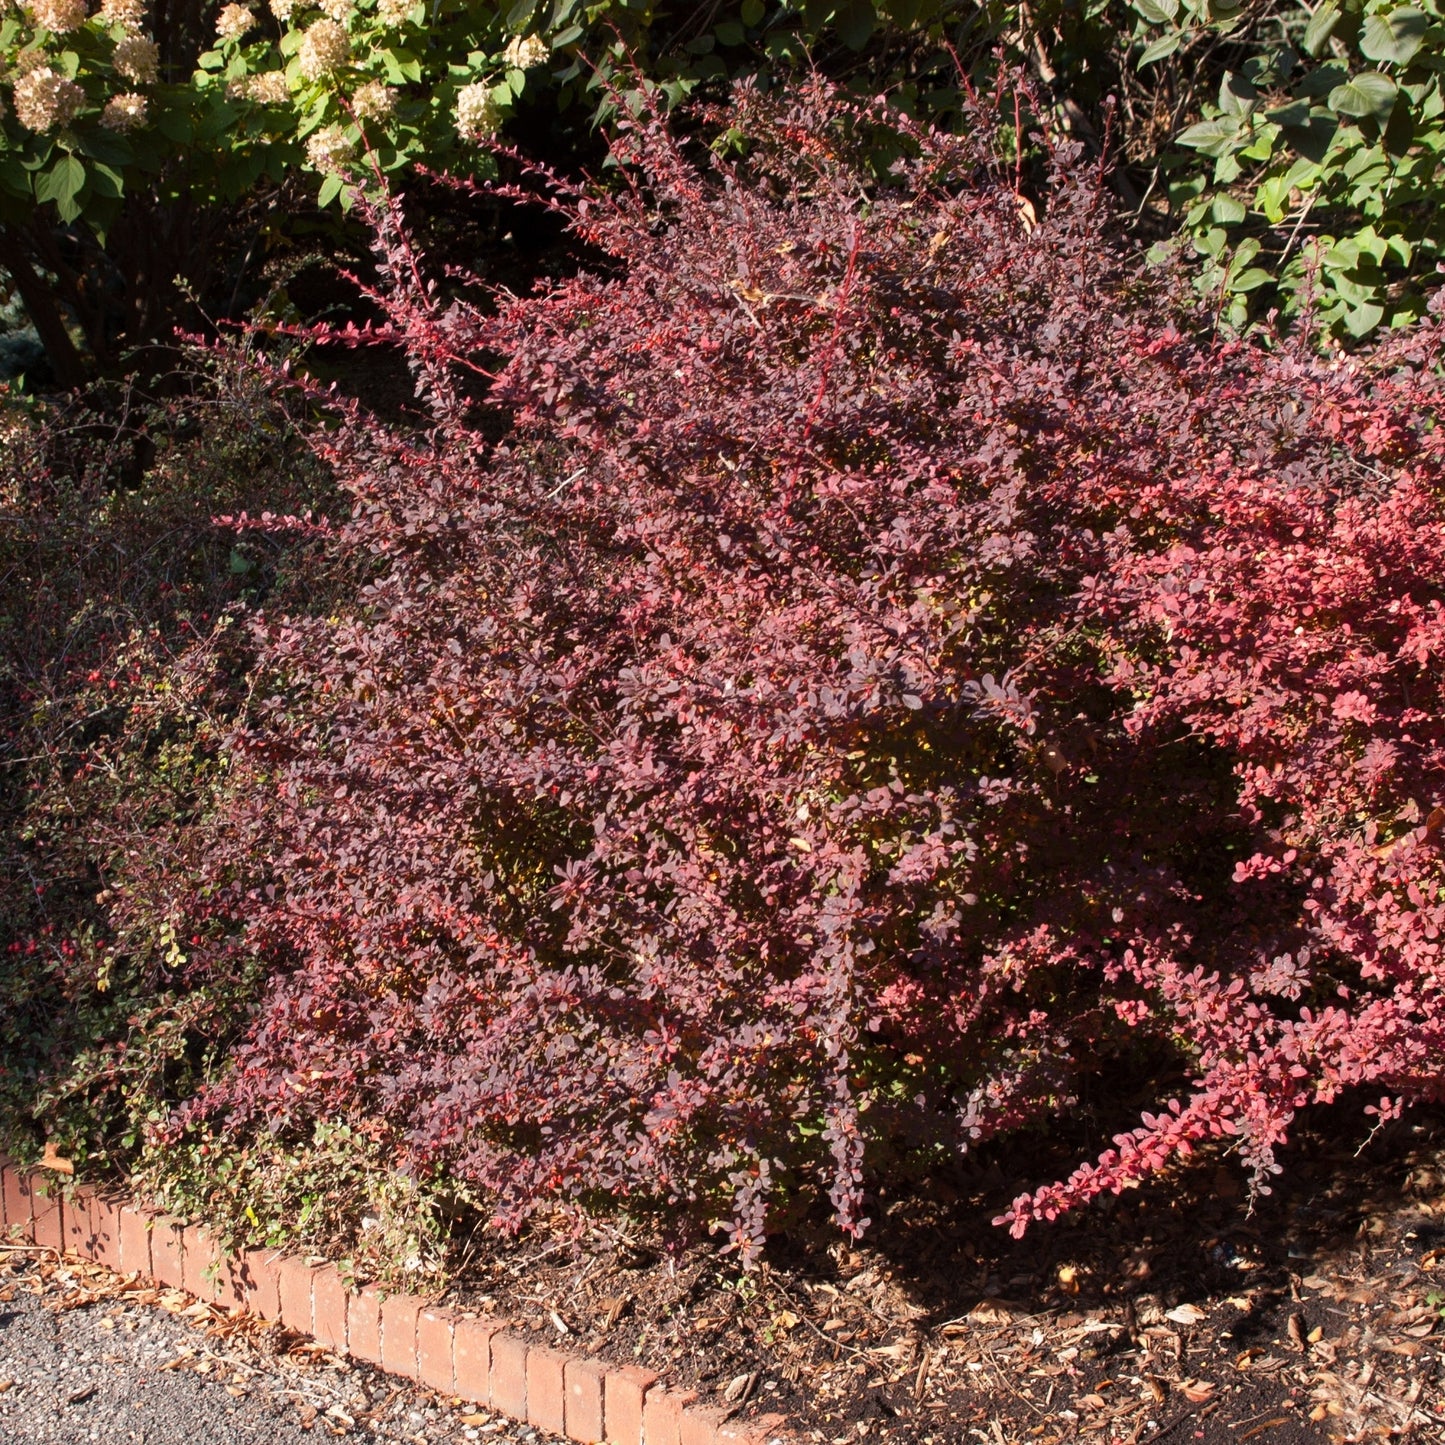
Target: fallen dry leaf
(1186,1315)
(1196,1391)
(739,1387)
(52,1159)
(990,1312)
(1265,1425)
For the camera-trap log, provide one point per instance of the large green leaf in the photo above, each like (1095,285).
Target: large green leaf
(1213,137)
(1366,94)
(1158,49)
(855,20)
(1395,36)
(1237,94)
(1321,27)
(62,183)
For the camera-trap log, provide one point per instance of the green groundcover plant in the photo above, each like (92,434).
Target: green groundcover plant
(1319,180)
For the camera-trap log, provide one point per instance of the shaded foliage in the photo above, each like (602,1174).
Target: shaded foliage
(122,668)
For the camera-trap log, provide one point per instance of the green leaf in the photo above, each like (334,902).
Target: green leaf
(106,182)
(1395,36)
(1321,27)
(62,183)
(1212,137)
(855,20)
(330,189)
(519,16)
(1312,142)
(752,12)
(730,32)
(13,177)
(1366,94)
(1272,198)
(1227,211)
(1250,280)
(1158,49)
(1364,318)
(1237,94)
(1296,113)
(1157,12)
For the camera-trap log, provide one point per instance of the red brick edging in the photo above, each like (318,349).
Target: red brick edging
(457,1354)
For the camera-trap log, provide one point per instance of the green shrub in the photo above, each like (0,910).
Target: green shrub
(1317,176)
(123,664)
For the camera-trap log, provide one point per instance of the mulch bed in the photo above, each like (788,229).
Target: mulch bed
(1178,1313)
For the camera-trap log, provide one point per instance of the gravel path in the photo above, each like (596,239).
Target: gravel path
(86,1356)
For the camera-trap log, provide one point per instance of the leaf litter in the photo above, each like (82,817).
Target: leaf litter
(1178,1315)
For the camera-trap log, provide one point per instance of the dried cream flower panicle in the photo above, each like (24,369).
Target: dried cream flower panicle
(124,112)
(59,16)
(283,10)
(338,10)
(137,58)
(329,151)
(525,51)
(477,113)
(374,101)
(45,99)
(233,22)
(325,48)
(128,14)
(268,87)
(394,13)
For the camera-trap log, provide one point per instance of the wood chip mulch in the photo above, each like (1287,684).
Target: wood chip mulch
(1176,1314)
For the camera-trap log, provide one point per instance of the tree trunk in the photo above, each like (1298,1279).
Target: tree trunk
(41,305)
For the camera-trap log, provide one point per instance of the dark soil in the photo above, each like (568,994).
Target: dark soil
(1178,1313)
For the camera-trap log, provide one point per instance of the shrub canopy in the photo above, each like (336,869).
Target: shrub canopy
(887,674)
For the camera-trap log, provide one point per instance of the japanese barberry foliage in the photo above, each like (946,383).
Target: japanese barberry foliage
(889,672)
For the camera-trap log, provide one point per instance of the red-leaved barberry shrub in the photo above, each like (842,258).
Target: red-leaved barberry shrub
(887,672)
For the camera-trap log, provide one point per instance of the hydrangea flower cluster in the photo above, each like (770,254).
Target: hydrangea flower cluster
(329,150)
(128,14)
(325,49)
(394,13)
(59,16)
(137,58)
(374,101)
(268,87)
(234,22)
(478,115)
(124,112)
(525,51)
(46,100)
